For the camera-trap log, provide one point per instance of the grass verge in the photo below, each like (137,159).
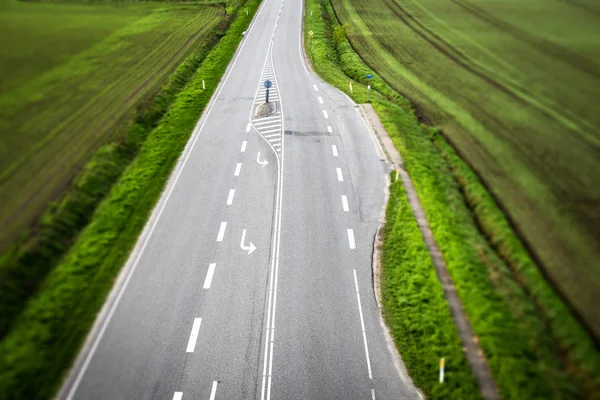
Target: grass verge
(534,346)
(45,338)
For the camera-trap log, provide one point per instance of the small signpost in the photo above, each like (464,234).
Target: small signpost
(442,370)
(369,76)
(268,85)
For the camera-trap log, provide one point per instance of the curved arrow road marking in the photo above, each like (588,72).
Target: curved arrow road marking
(249,248)
(263,162)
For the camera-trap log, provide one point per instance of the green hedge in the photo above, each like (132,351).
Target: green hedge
(45,338)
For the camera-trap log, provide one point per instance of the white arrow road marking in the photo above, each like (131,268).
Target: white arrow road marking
(209,275)
(221,231)
(213,391)
(238,168)
(351,242)
(334,149)
(249,248)
(177,395)
(194,335)
(263,162)
(230,197)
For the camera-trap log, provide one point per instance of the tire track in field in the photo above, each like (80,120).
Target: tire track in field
(560,53)
(463,60)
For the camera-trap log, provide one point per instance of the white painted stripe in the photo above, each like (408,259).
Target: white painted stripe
(221,231)
(334,149)
(177,395)
(213,391)
(248,127)
(276,144)
(277,116)
(339,174)
(345,203)
(316,88)
(320,99)
(230,197)
(362,324)
(278,122)
(270,136)
(275,140)
(244,143)
(194,335)
(238,168)
(209,275)
(351,242)
(271,130)
(373,394)
(329,129)
(325,114)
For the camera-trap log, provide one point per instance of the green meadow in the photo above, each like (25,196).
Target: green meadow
(71,75)
(513,86)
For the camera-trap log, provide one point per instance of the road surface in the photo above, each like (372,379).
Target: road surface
(252,279)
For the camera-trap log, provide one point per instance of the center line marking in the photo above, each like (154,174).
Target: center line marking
(316,88)
(329,129)
(351,240)
(238,168)
(334,149)
(209,275)
(221,231)
(320,100)
(230,197)
(244,143)
(362,324)
(325,114)
(248,127)
(194,335)
(213,391)
(177,395)
(345,203)
(339,174)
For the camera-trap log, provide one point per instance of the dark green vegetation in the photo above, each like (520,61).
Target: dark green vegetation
(512,84)
(45,336)
(535,347)
(70,75)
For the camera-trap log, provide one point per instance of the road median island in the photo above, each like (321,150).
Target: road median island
(44,339)
(524,329)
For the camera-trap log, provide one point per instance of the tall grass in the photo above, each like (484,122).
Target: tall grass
(45,338)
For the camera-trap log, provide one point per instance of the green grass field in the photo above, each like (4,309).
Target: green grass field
(69,75)
(513,85)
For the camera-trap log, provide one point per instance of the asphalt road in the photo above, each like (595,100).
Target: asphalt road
(252,279)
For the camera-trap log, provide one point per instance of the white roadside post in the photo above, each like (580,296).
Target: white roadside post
(441,370)
(350,87)
(203,87)
(369,77)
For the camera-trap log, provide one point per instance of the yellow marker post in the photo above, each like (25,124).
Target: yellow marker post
(441,370)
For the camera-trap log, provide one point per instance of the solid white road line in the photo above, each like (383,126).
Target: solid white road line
(248,127)
(221,231)
(351,242)
(238,168)
(177,395)
(362,324)
(320,99)
(194,335)
(325,114)
(334,149)
(345,203)
(316,88)
(244,143)
(339,174)
(329,129)
(213,391)
(209,275)
(230,197)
